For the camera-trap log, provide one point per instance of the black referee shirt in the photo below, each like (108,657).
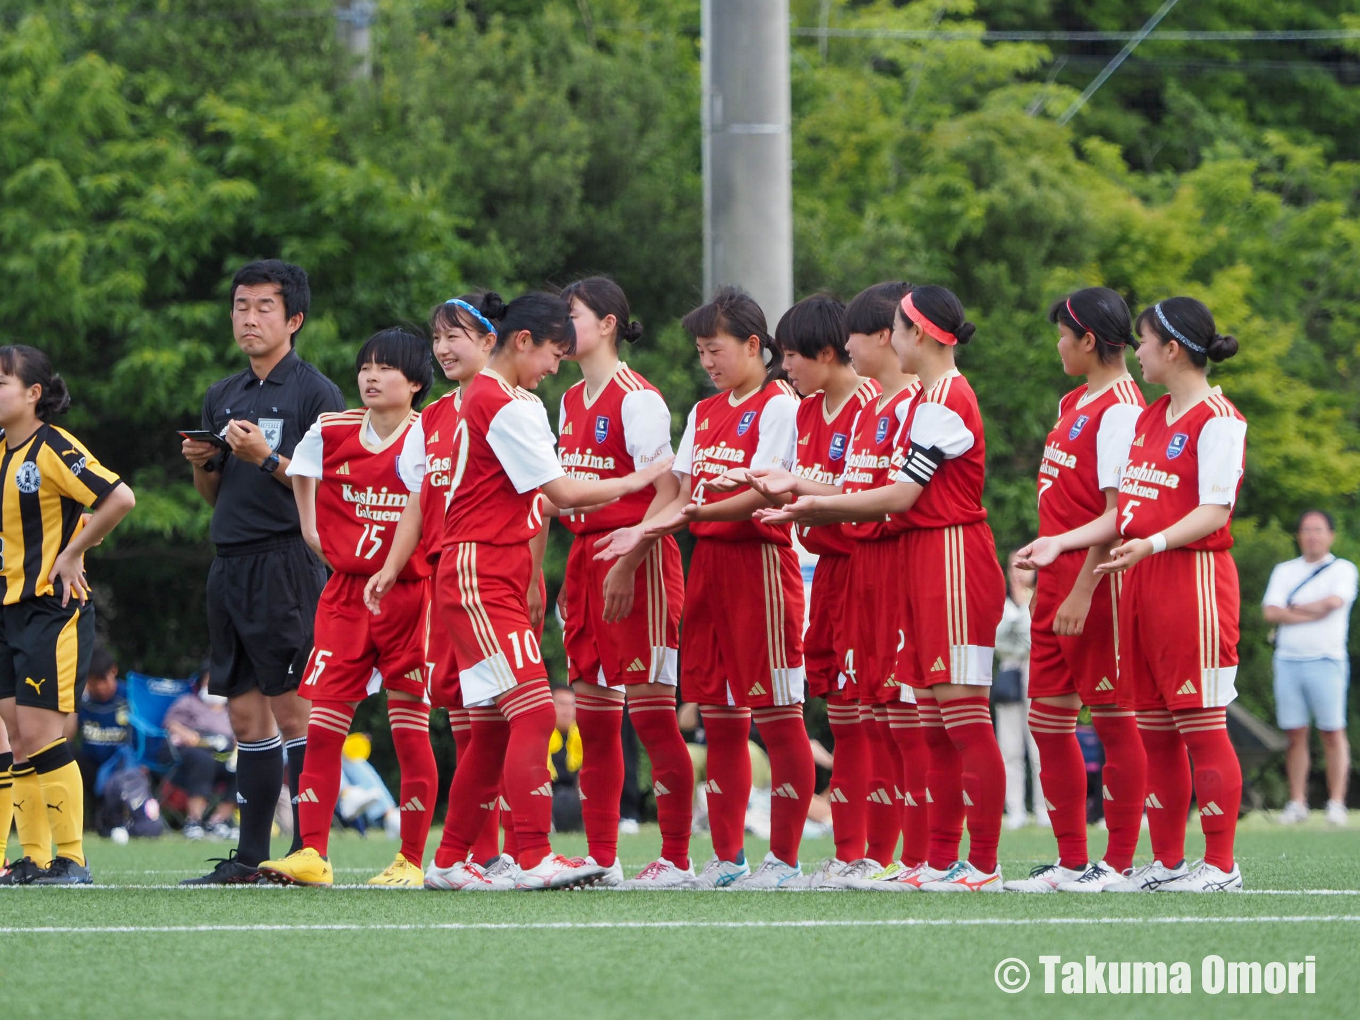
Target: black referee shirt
(251,505)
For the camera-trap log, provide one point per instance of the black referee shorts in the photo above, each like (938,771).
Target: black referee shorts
(45,651)
(261,610)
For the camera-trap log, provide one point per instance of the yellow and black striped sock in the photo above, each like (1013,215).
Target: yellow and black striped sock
(6,801)
(63,792)
(30,816)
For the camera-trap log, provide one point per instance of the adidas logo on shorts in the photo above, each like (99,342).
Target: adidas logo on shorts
(659,790)
(543,791)
(1104,684)
(416,676)
(489,805)
(1210,810)
(1187,688)
(757,690)
(413,804)
(636,666)
(938,665)
(787,790)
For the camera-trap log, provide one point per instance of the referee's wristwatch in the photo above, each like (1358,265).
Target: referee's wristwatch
(270,464)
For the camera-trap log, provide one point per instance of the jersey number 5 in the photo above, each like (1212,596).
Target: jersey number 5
(1126,517)
(373,534)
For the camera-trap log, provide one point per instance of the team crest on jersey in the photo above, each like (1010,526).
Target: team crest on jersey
(1077,426)
(881,433)
(273,432)
(838,441)
(601,427)
(28,478)
(1177,445)
(745,422)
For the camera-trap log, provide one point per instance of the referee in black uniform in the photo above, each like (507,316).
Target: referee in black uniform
(264,583)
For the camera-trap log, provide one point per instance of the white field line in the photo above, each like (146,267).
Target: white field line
(372,888)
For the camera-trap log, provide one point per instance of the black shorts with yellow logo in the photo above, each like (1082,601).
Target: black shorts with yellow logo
(45,651)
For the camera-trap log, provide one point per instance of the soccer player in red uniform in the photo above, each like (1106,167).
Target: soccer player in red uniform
(954,590)
(1074,629)
(1178,612)
(350,499)
(621,619)
(741,647)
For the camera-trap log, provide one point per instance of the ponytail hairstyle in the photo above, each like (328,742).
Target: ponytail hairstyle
(872,310)
(1189,323)
(939,314)
(404,351)
(33,368)
(1100,312)
(546,316)
(479,313)
(604,297)
(734,312)
(813,325)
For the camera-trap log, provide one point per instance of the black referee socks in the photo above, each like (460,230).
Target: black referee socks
(259,778)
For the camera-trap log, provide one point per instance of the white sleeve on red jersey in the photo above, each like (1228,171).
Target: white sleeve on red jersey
(684,457)
(937,435)
(411,460)
(523,442)
(646,426)
(1117,426)
(1222,442)
(306,459)
(778,443)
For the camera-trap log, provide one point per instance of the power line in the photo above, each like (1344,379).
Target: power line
(1119,58)
(965,35)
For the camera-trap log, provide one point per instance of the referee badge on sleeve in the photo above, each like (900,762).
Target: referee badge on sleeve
(273,432)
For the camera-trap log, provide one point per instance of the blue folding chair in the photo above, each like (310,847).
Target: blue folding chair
(149,698)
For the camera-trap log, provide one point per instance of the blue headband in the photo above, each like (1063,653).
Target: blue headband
(475,314)
(1177,334)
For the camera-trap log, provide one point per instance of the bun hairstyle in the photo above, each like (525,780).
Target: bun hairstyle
(604,297)
(453,313)
(734,312)
(1100,312)
(34,368)
(873,309)
(1189,323)
(813,325)
(944,310)
(546,317)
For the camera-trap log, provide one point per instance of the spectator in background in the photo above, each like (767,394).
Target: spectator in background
(199,729)
(365,801)
(564,763)
(101,718)
(1010,698)
(1309,601)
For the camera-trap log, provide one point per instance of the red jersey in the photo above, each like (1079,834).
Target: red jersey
(1175,466)
(944,449)
(823,442)
(619,430)
(502,451)
(870,462)
(1085,453)
(424,463)
(760,430)
(360,497)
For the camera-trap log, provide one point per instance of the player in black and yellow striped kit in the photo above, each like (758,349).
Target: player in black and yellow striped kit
(47,479)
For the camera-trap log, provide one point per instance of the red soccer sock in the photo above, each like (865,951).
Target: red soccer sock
(944,787)
(728,786)
(882,814)
(600,720)
(1218,780)
(1168,785)
(487,844)
(904,726)
(1062,774)
(472,794)
(672,772)
(529,710)
(1123,783)
(968,721)
(793,775)
(319,785)
(419,774)
(849,785)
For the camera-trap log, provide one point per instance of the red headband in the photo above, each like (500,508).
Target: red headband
(927,327)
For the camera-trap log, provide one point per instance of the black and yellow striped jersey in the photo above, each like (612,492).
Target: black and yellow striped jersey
(45,485)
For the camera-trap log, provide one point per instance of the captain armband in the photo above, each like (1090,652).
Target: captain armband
(922,462)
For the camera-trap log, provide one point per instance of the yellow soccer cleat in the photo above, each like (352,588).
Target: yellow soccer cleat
(305,867)
(400,874)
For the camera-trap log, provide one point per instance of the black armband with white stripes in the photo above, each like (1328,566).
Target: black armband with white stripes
(922,462)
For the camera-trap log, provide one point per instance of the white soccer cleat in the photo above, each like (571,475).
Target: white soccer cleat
(1294,812)
(1148,878)
(854,874)
(718,874)
(462,877)
(1096,878)
(1044,879)
(899,877)
(963,877)
(660,874)
(1337,814)
(610,877)
(772,874)
(558,872)
(1206,878)
(817,878)
(504,872)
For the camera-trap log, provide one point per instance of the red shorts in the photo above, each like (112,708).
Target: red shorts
(642,647)
(824,641)
(1178,631)
(479,597)
(742,643)
(955,592)
(1087,663)
(354,652)
(874,616)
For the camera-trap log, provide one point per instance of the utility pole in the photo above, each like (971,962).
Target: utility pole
(352,21)
(748,157)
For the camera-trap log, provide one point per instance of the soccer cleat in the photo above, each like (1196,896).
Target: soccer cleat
(503,870)
(771,875)
(192,830)
(1294,812)
(558,872)
(400,874)
(718,874)
(819,877)
(1043,879)
(856,873)
(660,874)
(1096,878)
(1336,813)
(1148,878)
(64,871)
(1205,878)
(610,877)
(301,867)
(963,877)
(464,876)
(24,871)
(229,871)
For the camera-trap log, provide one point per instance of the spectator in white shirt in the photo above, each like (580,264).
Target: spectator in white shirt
(1309,600)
